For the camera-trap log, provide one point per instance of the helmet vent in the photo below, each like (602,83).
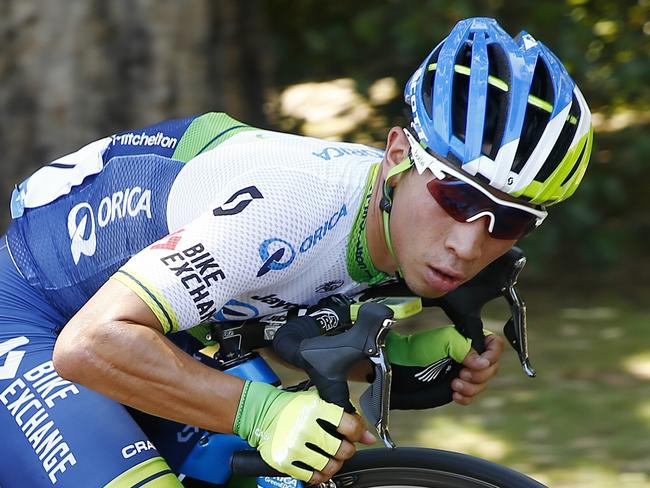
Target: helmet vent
(428,80)
(536,117)
(460,92)
(497,100)
(563,143)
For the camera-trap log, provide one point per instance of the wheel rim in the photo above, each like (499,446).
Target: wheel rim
(408,478)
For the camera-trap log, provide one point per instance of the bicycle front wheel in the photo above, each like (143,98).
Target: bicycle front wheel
(426,468)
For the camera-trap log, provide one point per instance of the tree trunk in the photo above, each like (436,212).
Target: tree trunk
(76,70)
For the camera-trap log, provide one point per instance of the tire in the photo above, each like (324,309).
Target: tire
(426,468)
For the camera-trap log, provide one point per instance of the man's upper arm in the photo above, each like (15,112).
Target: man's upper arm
(116,302)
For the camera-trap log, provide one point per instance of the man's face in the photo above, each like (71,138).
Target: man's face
(436,253)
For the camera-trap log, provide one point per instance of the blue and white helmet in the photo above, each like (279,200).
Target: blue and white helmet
(503,110)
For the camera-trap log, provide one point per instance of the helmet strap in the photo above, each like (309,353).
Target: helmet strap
(386,204)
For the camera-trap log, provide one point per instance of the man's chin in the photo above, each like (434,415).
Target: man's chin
(432,284)
(424,290)
(433,294)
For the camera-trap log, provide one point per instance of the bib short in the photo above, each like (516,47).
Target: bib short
(54,432)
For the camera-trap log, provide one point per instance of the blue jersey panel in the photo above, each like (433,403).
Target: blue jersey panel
(161,139)
(71,246)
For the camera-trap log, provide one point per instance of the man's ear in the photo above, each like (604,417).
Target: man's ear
(397,148)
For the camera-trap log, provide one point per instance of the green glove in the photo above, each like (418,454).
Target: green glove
(427,347)
(281,425)
(424,365)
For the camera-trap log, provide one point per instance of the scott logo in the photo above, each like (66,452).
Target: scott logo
(238,201)
(277,254)
(81,219)
(13,358)
(187,433)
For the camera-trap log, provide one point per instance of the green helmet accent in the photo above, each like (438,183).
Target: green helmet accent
(561,184)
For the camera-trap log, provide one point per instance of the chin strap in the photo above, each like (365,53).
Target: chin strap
(386,203)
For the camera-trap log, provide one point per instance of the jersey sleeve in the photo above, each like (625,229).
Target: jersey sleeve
(174,277)
(245,241)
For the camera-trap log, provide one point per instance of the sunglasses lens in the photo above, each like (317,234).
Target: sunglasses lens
(462,202)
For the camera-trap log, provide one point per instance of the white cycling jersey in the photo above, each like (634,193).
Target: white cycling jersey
(202,217)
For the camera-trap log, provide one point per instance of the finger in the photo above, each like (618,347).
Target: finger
(462,400)
(353,428)
(331,468)
(475,361)
(479,376)
(368,438)
(329,412)
(467,389)
(317,477)
(346,451)
(494,346)
(328,468)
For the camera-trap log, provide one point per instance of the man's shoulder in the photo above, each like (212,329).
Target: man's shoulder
(186,138)
(179,138)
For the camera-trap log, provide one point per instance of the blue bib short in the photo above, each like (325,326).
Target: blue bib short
(54,432)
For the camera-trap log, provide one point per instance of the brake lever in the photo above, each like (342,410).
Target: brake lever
(516,328)
(366,339)
(375,401)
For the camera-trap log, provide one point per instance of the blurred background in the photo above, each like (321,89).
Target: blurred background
(72,71)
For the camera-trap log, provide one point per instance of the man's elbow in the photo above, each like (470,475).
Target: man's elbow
(75,353)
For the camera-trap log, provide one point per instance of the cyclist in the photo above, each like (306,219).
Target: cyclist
(153,231)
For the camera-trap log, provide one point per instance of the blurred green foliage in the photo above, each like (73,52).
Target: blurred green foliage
(605,45)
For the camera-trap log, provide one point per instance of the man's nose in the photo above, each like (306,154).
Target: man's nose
(466,239)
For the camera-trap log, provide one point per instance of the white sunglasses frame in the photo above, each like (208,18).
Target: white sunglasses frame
(424,160)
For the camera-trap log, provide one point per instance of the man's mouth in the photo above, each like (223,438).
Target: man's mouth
(443,278)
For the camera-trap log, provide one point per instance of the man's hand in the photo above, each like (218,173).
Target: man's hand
(354,430)
(426,367)
(295,432)
(478,370)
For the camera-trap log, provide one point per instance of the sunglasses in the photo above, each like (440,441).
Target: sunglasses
(466,200)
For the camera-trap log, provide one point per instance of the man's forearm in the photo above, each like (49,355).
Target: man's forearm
(138,366)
